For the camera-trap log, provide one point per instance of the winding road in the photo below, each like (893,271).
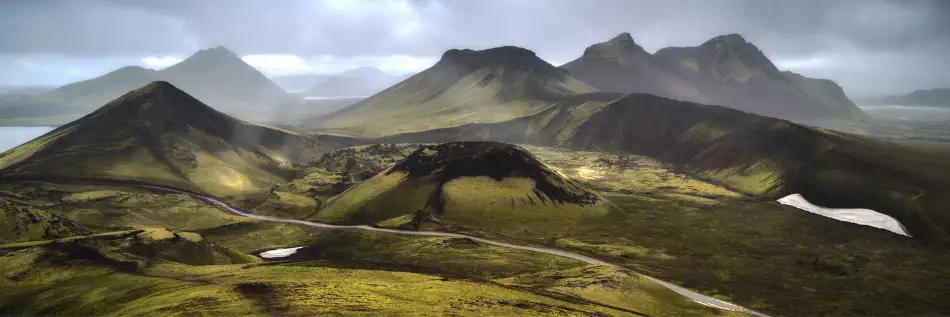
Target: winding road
(697,297)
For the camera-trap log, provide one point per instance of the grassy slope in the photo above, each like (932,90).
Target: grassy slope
(773,158)
(464,87)
(160,134)
(136,271)
(492,184)
(721,242)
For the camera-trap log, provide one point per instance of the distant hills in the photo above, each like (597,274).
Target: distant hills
(216,76)
(939,97)
(299,82)
(364,81)
(160,134)
(726,70)
(465,86)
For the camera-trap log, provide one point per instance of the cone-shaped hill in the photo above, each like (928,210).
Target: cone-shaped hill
(220,78)
(465,86)
(160,134)
(480,184)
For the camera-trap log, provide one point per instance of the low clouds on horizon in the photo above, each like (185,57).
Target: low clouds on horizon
(868,46)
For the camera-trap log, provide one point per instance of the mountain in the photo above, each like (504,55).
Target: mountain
(620,65)
(364,81)
(735,73)
(160,134)
(465,86)
(760,156)
(216,76)
(466,182)
(221,79)
(829,93)
(726,70)
(939,97)
(298,83)
(70,101)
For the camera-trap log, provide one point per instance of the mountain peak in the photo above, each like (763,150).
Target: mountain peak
(734,47)
(506,57)
(449,161)
(157,97)
(733,38)
(621,38)
(622,44)
(218,55)
(215,51)
(499,53)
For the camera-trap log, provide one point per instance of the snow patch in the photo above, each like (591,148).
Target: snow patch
(279,253)
(864,217)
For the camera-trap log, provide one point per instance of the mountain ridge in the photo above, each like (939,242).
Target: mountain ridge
(464,86)
(725,70)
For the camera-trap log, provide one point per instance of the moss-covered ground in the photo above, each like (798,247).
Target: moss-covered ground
(719,241)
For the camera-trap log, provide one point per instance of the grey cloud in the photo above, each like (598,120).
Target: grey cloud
(558,30)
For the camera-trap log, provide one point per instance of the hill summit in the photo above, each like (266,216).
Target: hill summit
(466,182)
(160,134)
(465,86)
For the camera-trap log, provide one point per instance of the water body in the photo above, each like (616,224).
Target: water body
(864,217)
(903,112)
(11,137)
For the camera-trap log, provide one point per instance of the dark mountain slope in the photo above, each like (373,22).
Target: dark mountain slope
(726,70)
(620,65)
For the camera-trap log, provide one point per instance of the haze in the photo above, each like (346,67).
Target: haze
(870,47)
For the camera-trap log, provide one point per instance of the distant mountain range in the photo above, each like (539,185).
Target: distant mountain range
(364,81)
(939,97)
(467,87)
(216,76)
(503,83)
(299,82)
(726,70)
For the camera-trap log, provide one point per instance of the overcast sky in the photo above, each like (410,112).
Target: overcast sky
(868,46)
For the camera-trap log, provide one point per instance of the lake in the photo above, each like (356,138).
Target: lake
(11,137)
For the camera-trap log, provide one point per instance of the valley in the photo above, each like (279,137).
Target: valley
(474,158)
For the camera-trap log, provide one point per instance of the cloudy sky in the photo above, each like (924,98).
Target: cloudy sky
(868,46)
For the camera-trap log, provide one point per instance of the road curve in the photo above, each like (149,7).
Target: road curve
(697,297)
